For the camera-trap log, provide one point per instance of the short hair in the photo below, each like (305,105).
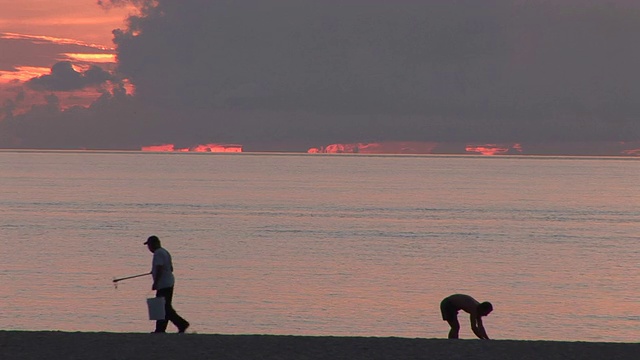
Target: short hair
(485,308)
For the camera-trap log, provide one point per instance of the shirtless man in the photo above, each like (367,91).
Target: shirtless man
(452,304)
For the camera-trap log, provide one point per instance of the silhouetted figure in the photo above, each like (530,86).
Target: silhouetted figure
(454,303)
(163,282)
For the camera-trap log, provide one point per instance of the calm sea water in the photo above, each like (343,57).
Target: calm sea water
(323,245)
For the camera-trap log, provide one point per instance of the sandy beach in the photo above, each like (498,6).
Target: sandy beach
(98,346)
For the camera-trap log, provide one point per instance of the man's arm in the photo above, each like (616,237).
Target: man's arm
(157,274)
(477,328)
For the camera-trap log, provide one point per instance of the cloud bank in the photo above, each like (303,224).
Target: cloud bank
(64,77)
(294,74)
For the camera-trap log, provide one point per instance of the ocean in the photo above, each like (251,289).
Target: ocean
(310,244)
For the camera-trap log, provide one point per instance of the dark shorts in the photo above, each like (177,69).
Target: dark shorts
(448,310)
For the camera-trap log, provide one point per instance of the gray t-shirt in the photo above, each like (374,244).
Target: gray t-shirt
(162,257)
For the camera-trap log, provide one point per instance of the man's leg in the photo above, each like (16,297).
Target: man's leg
(161,325)
(171,314)
(455,327)
(450,315)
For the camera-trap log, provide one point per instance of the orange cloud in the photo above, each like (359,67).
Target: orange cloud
(23,73)
(216,148)
(494,149)
(390,147)
(51,39)
(73,19)
(92,58)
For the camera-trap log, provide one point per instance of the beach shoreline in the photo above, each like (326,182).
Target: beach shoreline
(103,345)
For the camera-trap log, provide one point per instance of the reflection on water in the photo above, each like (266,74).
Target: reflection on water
(323,245)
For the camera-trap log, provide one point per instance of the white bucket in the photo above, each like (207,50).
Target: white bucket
(156,308)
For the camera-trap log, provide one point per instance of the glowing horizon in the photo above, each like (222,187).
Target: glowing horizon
(388,147)
(212,147)
(493,149)
(631,152)
(411,147)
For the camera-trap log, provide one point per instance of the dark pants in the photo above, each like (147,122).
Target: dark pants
(170,313)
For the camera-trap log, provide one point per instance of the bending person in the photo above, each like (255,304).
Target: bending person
(450,306)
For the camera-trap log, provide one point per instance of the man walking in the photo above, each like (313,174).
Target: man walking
(450,306)
(163,282)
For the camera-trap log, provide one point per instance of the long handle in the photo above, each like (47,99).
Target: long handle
(131,277)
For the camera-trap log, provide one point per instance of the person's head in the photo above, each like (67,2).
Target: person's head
(153,243)
(485,308)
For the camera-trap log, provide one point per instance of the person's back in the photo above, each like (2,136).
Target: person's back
(162,263)
(464,302)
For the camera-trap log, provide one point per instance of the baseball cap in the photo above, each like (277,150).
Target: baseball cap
(152,240)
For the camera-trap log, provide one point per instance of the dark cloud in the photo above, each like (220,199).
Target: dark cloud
(106,124)
(312,72)
(64,77)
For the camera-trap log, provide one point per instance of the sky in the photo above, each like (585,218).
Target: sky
(442,76)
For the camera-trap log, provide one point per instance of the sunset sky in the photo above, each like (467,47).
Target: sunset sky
(486,77)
